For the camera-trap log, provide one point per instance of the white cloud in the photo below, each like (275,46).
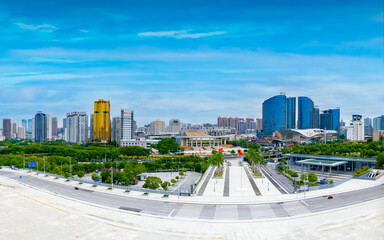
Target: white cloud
(84,31)
(41,28)
(180,34)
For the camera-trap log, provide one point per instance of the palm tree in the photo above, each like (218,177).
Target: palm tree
(217,159)
(251,155)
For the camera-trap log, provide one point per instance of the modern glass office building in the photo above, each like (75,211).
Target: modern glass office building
(305,113)
(291,113)
(330,119)
(274,114)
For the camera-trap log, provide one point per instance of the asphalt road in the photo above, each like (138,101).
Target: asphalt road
(208,211)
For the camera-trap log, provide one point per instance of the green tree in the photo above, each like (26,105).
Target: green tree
(165,185)
(152,182)
(254,158)
(166,145)
(173,181)
(95,176)
(217,159)
(303,177)
(80,174)
(312,177)
(66,174)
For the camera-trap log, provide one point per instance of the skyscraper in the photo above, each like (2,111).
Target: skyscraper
(48,118)
(15,128)
(127,125)
(330,119)
(54,126)
(368,126)
(24,123)
(291,113)
(101,120)
(30,126)
(274,114)
(40,127)
(77,128)
(116,130)
(7,128)
(316,117)
(305,113)
(377,123)
(259,124)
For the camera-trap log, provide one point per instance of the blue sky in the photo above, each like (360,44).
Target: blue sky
(193,60)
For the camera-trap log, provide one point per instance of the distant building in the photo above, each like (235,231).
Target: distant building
(157,127)
(241,127)
(102,120)
(305,113)
(274,114)
(48,118)
(377,135)
(368,126)
(7,128)
(77,128)
(146,143)
(116,130)
(330,120)
(355,130)
(291,113)
(316,117)
(199,139)
(21,132)
(127,125)
(174,125)
(259,124)
(54,126)
(40,127)
(15,128)
(30,126)
(24,123)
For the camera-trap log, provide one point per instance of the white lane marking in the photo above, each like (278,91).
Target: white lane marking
(171,213)
(305,203)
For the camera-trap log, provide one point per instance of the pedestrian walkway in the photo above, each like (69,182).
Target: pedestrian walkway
(205,183)
(253,184)
(226,183)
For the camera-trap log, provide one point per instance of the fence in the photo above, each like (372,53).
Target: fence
(325,186)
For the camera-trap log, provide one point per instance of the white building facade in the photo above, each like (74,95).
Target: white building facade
(77,128)
(127,125)
(355,130)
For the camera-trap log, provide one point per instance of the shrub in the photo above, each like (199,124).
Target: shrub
(67,180)
(173,181)
(165,195)
(146,193)
(80,182)
(95,176)
(330,181)
(56,178)
(94,185)
(312,177)
(127,191)
(109,188)
(177,177)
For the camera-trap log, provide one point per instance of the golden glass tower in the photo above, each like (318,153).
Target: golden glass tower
(101,120)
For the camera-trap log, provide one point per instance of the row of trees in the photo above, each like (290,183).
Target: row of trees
(88,152)
(338,148)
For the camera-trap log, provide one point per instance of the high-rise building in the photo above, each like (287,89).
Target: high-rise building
(117,130)
(15,128)
(316,117)
(77,128)
(127,125)
(7,128)
(174,125)
(54,126)
(248,122)
(382,122)
(157,127)
(274,114)
(40,127)
(101,120)
(252,125)
(377,123)
(291,113)
(368,126)
(20,133)
(30,126)
(49,126)
(259,124)
(91,128)
(330,119)
(24,124)
(33,129)
(355,130)
(305,113)
(241,127)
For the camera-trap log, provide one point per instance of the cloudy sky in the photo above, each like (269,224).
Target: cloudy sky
(193,60)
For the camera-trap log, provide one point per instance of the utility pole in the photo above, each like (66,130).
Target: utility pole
(112,174)
(44,166)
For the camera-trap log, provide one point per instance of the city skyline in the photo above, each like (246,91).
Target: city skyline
(56,60)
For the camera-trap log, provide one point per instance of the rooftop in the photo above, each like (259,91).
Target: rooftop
(332,158)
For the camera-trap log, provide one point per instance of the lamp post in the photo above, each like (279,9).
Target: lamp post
(23,160)
(44,166)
